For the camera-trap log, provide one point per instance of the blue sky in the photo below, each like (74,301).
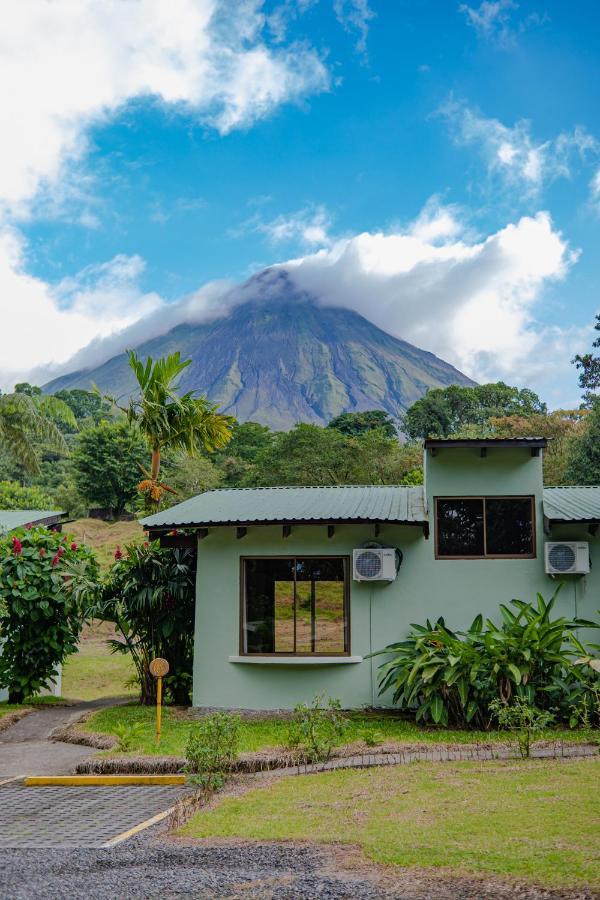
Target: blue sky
(429,121)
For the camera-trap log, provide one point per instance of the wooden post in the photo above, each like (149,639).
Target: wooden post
(158,668)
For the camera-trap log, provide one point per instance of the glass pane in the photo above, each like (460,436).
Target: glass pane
(460,527)
(269,625)
(320,606)
(509,526)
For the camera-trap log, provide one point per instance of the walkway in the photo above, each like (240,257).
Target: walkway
(27,748)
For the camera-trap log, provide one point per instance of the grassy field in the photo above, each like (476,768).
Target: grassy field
(272,733)
(536,820)
(103,537)
(94,671)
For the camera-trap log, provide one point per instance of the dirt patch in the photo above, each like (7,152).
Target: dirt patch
(12,718)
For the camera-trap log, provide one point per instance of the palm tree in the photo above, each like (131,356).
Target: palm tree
(168,421)
(25,419)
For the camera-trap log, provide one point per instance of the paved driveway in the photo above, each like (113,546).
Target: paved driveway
(67,817)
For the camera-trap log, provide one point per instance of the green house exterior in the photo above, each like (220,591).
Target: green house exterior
(232,527)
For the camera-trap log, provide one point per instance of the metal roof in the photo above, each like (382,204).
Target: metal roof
(15,518)
(572,504)
(534,442)
(360,503)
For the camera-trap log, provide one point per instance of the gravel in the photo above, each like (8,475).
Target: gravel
(155,867)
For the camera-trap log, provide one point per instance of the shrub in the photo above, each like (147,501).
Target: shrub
(15,496)
(149,593)
(40,615)
(522,719)
(212,747)
(448,677)
(128,734)
(316,729)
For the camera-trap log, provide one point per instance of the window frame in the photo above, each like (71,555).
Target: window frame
(295,556)
(483,498)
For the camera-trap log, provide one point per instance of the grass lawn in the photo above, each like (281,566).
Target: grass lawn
(536,820)
(272,732)
(94,671)
(103,537)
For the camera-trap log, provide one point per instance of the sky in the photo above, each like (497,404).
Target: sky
(433,164)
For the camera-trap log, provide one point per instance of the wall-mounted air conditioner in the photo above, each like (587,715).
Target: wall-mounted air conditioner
(567,557)
(374,564)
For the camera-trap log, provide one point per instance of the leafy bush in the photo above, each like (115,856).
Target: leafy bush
(128,734)
(212,747)
(15,496)
(40,615)
(149,593)
(522,719)
(448,677)
(316,729)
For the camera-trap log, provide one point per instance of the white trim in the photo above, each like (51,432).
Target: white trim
(297,660)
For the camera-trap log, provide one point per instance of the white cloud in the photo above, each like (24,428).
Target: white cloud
(489,17)
(472,302)
(309,226)
(72,62)
(355,16)
(513,154)
(595,189)
(68,64)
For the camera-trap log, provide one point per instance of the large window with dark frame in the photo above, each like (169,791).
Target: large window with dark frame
(295,605)
(482,527)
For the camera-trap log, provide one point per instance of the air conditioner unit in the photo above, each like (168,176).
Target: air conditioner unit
(567,557)
(374,564)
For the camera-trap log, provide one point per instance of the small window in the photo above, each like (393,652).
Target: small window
(480,527)
(296,605)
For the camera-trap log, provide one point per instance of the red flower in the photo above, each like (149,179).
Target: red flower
(118,553)
(73,546)
(61,551)
(17,546)
(146,545)
(29,526)
(55,559)
(42,552)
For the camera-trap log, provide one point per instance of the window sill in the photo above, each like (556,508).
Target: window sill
(297,660)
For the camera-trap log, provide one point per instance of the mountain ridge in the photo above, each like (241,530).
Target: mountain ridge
(279,357)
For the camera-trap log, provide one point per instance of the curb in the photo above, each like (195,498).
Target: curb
(101,780)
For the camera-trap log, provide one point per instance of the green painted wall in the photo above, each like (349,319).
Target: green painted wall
(380,613)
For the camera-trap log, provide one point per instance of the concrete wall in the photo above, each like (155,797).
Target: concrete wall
(379,613)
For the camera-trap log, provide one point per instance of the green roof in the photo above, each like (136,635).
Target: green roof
(16,518)
(572,504)
(360,503)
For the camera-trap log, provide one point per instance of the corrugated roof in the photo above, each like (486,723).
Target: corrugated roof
(15,518)
(533,442)
(572,504)
(371,503)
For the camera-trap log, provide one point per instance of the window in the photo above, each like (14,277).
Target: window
(479,527)
(295,605)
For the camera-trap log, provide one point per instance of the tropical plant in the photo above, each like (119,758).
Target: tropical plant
(522,719)
(40,615)
(316,729)
(168,421)
(25,419)
(448,677)
(149,594)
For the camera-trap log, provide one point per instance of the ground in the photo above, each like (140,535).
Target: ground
(272,732)
(534,820)
(94,671)
(103,537)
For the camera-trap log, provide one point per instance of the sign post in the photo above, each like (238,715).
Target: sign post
(158,668)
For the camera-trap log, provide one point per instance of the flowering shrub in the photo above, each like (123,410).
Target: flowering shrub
(40,617)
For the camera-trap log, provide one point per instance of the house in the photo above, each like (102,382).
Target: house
(10,519)
(281,613)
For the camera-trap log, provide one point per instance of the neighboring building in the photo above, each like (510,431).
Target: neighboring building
(17,518)
(280,614)
(10,519)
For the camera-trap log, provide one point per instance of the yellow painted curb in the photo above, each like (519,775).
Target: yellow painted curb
(100,780)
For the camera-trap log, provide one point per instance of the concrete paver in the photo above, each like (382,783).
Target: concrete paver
(68,817)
